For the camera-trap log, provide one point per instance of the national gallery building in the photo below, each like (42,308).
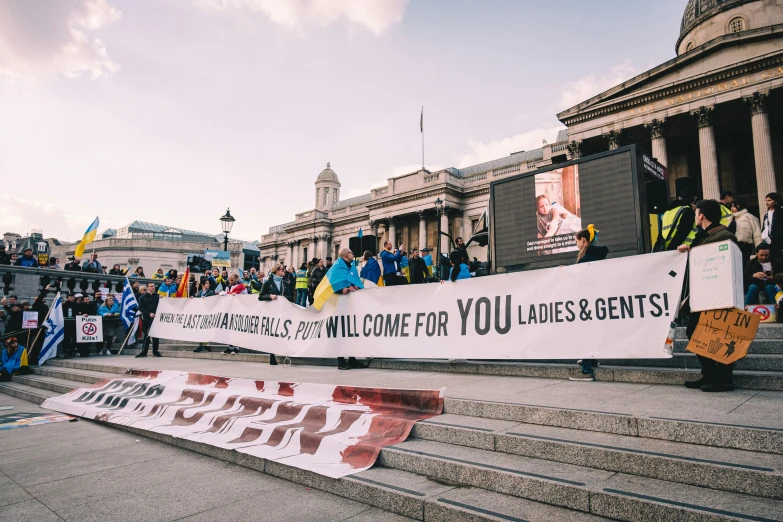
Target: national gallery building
(713,115)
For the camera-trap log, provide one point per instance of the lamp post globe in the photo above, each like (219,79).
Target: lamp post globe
(226,223)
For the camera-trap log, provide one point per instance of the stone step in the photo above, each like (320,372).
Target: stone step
(721,435)
(751,438)
(397,491)
(756,379)
(716,468)
(685,361)
(604,493)
(757,346)
(765,331)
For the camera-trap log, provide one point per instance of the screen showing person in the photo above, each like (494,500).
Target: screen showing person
(558,213)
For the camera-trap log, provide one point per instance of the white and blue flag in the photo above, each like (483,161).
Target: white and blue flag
(130,309)
(55,331)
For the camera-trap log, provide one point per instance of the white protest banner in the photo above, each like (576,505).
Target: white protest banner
(89,329)
(715,277)
(618,308)
(29,320)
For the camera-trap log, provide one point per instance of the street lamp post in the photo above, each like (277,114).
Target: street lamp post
(226,222)
(438,211)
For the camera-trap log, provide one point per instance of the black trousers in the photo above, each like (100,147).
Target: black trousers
(394,280)
(146,324)
(711,370)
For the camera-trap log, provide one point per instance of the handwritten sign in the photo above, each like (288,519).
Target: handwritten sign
(715,275)
(89,329)
(724,335)
(30,320)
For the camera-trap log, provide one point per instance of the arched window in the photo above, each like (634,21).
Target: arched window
(736,25)
(689,47)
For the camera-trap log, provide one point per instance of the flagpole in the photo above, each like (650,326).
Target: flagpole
(127,336)
(422,137)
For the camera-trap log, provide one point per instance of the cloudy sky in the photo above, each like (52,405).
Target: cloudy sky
(171,110)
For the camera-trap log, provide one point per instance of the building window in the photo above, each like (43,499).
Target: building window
(689,47)
(736,25)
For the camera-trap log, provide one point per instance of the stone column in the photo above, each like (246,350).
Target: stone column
(422,230)
(613,137)
(658,135)
(324,251)
(289,256)
(444,227)
(762,146)
(726,164)
(295,254)
(467,231)
(710,183)
(393,233)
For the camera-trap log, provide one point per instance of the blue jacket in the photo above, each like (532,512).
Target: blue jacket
(390,261)
(27,261)
(103,310)
(464,272)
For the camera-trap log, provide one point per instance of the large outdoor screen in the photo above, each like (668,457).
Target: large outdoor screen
(536,216)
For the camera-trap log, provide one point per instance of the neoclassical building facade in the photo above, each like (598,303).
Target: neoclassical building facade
(713,115)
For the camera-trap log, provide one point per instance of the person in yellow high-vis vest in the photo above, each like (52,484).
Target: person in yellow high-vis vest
(679,222)
(301,286)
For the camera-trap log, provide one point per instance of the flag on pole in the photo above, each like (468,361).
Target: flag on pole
(89,237)
(130,308)
(182,289)
(421,121)
(55,331)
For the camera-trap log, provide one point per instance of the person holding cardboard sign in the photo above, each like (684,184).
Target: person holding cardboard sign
(716,377)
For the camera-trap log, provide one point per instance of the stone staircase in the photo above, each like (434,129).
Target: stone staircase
(762,369)
(491,461)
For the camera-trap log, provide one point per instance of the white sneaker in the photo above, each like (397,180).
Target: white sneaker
(108,352)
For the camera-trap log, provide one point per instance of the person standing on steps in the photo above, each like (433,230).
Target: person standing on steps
(344,279)
(277,286)
(301,286)
(716,377)
(205,291)
(148,306)
(589,251)
(235,287)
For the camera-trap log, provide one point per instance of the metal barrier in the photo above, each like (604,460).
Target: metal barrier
(27,283)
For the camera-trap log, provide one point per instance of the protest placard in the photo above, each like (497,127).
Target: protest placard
(30,320)
(724,335)
(89,329)
(715,275)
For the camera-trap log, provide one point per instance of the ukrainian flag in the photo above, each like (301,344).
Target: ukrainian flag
(339,277)
(89,237)
(372,272)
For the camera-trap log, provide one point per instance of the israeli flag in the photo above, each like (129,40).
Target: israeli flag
(130,309)
(55,331)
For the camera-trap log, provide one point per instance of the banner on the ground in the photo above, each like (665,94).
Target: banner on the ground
(617,308)
(89,329)
(724,335)
(328,429)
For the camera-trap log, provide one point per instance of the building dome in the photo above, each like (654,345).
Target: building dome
(327,175)
(705,20)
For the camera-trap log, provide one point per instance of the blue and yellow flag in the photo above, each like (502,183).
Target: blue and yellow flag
(338,277)
(89,237)
(372,272)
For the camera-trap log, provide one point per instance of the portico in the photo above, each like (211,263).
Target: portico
(711,114)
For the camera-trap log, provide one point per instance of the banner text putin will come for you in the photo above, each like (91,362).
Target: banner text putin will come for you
(617,308)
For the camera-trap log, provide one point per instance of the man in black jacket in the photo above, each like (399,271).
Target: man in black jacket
(148,306)
(759,274)
(69,315)
(74,265)
(318,273)
(684,218)
(5,259)
(418,268)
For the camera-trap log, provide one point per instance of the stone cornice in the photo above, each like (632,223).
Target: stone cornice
(575,115)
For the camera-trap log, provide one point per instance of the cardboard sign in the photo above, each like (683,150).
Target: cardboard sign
(30,320)
(724,335)
(715,276)
(43,260)
(89,329)
(766,312)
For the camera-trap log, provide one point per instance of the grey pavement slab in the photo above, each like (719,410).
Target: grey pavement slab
(84,471)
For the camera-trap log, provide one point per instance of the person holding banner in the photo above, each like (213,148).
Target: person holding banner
(716,377)
(205,291)
(13,359)
(343,279)
(588,252)
(274,287)
(148,306)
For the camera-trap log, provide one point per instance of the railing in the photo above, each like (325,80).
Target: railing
(559,147)
(26,283)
